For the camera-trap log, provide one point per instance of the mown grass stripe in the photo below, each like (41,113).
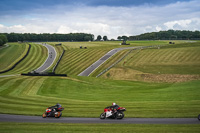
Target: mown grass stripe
(35,58)
(14,64)
(85,61)
(7,59)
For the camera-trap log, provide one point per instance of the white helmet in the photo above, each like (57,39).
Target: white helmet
(113,103)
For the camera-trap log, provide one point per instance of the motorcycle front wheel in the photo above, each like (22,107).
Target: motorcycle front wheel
(120,115)
(103,116)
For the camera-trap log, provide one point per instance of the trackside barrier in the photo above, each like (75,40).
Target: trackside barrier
(143,47)
(54,68)
(43,74)
(18,61)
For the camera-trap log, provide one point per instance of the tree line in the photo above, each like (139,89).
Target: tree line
(99,38)
(3,40)
(15,37)
(168,35)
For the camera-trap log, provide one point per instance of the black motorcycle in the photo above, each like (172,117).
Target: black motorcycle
(199,117)
(53,112)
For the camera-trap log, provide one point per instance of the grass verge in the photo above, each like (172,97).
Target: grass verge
(95,128)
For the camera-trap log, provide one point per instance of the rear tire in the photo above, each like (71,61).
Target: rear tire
(120,115)
(103,116)
(58,115)
(199,117)
(44,115)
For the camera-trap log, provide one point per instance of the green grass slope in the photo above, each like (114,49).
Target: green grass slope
(11,54)
(75,60)
(87,96)
(181,61)
(35,59)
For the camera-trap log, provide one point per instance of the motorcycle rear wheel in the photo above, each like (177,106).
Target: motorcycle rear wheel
(120,115)
(44,115)
(103,116)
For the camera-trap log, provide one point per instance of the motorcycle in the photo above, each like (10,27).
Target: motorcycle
(199,117)
(108,113)
(53,112)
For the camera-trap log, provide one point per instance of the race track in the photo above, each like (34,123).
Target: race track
(50,59)
(99,62)
(39,119)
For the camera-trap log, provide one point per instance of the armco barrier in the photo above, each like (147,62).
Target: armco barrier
(43,74)
(18,61)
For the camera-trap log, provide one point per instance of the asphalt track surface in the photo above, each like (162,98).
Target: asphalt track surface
(99,62)
(39,119)
(50,59)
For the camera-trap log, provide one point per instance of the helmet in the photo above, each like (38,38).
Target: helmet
(113,103)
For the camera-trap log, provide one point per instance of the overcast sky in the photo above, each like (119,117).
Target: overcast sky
(112,18)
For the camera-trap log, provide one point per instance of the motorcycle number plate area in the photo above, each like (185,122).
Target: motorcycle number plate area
(109,113)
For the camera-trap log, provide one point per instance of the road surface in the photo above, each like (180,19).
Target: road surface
(39,119)
(99,62)
(50,59)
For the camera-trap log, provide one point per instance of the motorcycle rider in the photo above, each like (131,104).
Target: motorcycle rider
(114,107)
(58,105)
(55,107)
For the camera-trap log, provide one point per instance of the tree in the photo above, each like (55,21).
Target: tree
(87,38)
(170,34)
(124,38)
(14,37)
(99,37)
(3,40)
(119,37)
(105,38)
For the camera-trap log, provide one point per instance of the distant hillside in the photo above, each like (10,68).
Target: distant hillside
(168,35)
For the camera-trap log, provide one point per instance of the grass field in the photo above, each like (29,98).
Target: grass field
(87,96)
(35,59)
(95,128)
(8,60)
(31,96)
(75,60)
(179,62)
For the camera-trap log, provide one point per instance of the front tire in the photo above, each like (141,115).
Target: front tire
(103,116)
(199,117)
(120,115)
